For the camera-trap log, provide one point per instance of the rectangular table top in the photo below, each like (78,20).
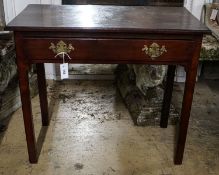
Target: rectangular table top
(101,18)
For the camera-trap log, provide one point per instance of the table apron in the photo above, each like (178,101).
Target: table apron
(110,51)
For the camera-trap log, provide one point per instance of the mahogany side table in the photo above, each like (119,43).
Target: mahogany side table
(107,35)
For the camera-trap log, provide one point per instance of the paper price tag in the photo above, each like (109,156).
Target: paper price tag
(64,71)
(214,14)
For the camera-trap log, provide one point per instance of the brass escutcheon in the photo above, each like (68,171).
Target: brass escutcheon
(61,47)
(154,50)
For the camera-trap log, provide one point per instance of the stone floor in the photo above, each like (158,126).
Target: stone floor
(91,133)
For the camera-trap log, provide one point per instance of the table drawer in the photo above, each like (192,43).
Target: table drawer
(109,50)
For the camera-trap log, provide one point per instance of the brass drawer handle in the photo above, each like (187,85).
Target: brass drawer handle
(154,50)
(61,47)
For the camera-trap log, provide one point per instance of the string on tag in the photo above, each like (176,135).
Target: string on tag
(63,55)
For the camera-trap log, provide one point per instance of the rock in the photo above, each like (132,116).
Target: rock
(210,49)
(213,25)
(144,104)
(147,76)
(9,89)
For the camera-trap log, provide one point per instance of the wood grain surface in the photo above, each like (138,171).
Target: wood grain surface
(106,18)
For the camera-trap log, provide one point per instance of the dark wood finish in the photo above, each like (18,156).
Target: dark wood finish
(125,2)
(103,50)
(167,96)
(187,102)
(97,18)
(41,79)
(25,100)
(107,34)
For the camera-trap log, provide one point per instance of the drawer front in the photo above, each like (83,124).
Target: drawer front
(109,50)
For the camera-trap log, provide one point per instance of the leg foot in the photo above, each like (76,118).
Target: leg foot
(27,113)
(185,114)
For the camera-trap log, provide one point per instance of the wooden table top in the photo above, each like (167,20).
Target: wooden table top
(99,18)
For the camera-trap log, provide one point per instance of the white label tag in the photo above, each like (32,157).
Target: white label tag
(214,14)
(64,70)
